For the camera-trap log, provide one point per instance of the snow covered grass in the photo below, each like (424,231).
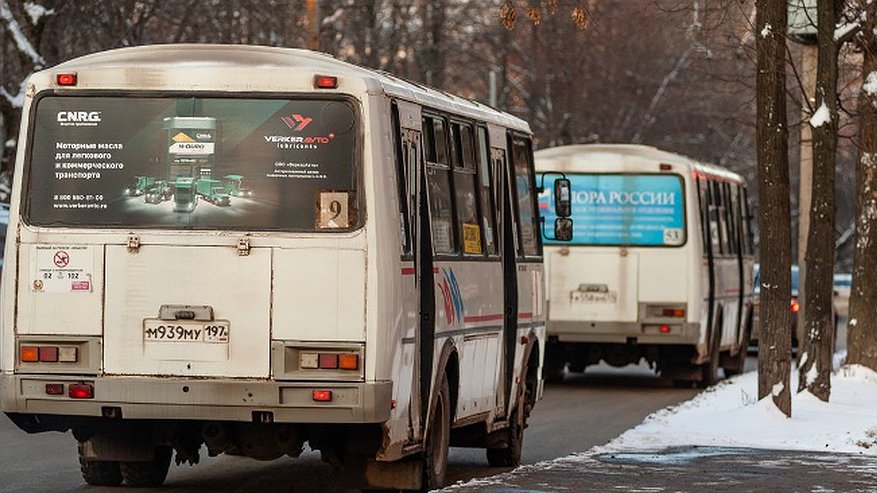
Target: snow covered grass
(729,415)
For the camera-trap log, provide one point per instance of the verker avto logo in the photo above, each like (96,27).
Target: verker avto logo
(79,118)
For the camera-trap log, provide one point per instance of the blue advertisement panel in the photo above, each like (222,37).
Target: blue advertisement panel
(621,209)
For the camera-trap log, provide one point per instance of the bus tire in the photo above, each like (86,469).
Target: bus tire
(737,362)
(150,473)
(710,369)
(510,455)
(435,457)
(99,472)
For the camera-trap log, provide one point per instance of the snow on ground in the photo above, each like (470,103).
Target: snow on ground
(729,415)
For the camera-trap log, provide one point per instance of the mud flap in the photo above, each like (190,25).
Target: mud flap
(369,474)
(124,447)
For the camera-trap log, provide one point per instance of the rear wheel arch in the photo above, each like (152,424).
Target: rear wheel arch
(448,363)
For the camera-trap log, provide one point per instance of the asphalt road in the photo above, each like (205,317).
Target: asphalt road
(586,410)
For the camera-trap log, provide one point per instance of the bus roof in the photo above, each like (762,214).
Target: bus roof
(589,157)
(170,57)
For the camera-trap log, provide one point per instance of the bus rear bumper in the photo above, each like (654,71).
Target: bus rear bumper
(214,399)
(625,332)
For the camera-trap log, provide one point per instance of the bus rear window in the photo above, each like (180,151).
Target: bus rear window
(193,163)
(621,209)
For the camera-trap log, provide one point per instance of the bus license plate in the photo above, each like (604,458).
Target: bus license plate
(593,296)
(215,332)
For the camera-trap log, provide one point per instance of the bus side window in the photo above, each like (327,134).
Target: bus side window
(713,219)
(528,245)
(402,148)
(717,218)
(463,159)
(734,217)
(728,209)
(703,204)
(439,191)
(485,188)
(500,191)
(748,239)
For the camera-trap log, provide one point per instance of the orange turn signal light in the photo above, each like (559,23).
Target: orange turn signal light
(30,354)
(348,361)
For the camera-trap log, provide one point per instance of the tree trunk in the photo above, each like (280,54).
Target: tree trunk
(817,347)
(862,333)
(775,341)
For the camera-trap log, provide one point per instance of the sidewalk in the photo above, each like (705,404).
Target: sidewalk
(726,440)
(689,469)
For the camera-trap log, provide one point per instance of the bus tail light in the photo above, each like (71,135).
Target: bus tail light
(325,82)
(348,361)
(674,312)
(80,391)
(328,361)
(664,329)
(66,79)
(30,354)
(49,354)
(322,395)
(54,389)
(796,307)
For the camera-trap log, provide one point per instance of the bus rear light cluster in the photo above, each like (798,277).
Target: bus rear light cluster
(328,361)
(49,354)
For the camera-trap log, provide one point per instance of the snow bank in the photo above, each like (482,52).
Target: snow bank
(729,415)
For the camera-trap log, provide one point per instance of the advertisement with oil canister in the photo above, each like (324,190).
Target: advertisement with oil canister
(196,162)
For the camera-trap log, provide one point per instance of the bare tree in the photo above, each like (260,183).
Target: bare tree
(775,342)
(817,348)
(862,335)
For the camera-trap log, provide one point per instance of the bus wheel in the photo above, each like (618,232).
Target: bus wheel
(510,456)
(99,472)
(710,369)
(435,460)
(150,473)
(736,363)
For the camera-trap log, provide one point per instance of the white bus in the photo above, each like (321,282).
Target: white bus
(660,266)
(256,248)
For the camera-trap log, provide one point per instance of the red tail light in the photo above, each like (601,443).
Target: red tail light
(322,395)
(664,329)
(326,82)
(328,360)
(54,389)
(674,312)
(796,307)
(49,354)
(66,79)
(80,391)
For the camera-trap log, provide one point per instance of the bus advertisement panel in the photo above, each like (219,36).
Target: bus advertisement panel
(622,209)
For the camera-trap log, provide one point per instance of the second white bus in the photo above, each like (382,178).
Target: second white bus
(660,267)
